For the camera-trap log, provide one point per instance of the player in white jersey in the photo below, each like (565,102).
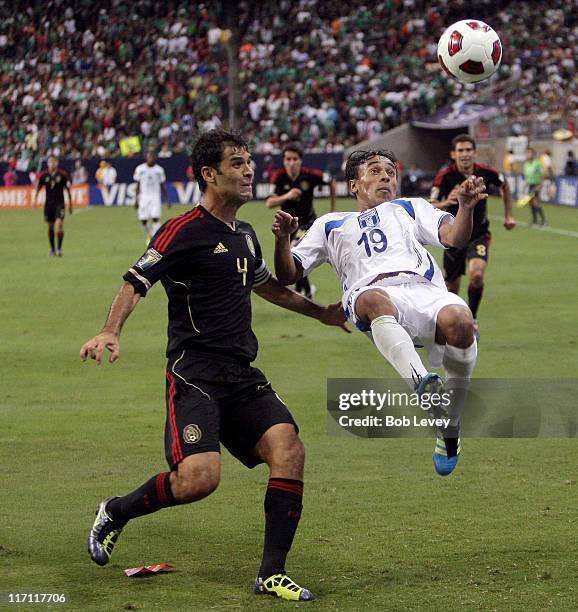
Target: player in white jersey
(392,287)
(150,184)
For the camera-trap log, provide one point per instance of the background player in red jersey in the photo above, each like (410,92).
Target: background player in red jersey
(56,182)
(293,192)
(444,195)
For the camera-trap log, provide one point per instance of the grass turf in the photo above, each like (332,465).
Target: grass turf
(380,530)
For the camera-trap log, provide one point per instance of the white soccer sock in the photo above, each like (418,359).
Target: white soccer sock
(459,365)
(396,345)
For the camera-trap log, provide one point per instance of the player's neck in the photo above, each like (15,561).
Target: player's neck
(225,211)
(293,175)
(466,172)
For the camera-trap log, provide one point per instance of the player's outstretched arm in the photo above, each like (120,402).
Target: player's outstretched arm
(123,304)
(277,294)
(509,221)
(286,267)
(69,198)
(332,196)
(458,234)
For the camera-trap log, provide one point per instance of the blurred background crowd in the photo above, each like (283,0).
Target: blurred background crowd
(109,79)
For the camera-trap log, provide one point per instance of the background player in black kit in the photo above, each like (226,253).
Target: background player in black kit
(293,192)
(209,262)
(444,195)
(56,182)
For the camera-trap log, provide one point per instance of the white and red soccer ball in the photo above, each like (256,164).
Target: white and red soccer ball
(470,50)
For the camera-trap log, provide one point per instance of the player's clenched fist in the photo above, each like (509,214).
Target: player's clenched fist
(94,348)
(284,224)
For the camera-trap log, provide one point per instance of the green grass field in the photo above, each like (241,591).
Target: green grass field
(380,530)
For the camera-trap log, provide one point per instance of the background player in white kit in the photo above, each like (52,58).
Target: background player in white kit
(392,286)
(150,184)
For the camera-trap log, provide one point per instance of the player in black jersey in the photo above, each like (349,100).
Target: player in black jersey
(55,181)
(444,195)
(293,188)
(209,262)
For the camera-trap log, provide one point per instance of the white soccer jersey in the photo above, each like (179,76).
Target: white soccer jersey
(386,240)
(150,179)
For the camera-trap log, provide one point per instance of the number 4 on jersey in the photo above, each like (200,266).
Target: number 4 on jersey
(373,240)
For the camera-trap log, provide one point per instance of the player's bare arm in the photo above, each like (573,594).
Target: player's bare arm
(286,268)
(471,191)
(123,304)
(38,188)
(332,196)
(505,192)
(136,194)
(277,294)
(275,200)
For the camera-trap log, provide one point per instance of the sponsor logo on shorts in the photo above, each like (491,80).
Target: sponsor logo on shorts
(250,244)
(192,434)
(150,258)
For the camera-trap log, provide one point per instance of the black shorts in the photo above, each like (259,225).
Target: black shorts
(212,400)
(455,259)
(52,212)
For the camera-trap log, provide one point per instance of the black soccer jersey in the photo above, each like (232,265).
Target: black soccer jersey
(450,176)
(207,269)
(307,180)
(54,185)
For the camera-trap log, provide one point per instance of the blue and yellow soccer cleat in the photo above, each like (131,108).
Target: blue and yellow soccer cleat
(104,534)
(443,464)
(280,585)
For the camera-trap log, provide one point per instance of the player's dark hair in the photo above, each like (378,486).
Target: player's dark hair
(462,138)
(292,148)
(357,158)
(208,151)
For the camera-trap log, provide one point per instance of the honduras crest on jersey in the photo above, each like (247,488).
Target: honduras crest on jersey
(369,218)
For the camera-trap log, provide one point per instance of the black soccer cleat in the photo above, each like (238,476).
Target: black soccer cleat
(104,534)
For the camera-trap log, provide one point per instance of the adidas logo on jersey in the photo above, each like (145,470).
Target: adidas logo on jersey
(221,248)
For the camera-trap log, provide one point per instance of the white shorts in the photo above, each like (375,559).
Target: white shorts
(418,306)
(149,209)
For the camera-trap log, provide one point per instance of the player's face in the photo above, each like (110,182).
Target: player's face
(150,158)
(376,182)
(234,181)
(464,155)
(52,164)
(292,163)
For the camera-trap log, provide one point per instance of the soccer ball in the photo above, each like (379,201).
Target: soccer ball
(470,50)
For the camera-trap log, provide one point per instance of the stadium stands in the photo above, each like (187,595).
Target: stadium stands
(84,80)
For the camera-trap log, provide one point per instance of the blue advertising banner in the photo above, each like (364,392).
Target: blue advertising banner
(561,190)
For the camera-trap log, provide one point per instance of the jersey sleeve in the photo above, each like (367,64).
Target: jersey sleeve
(162,175)
(277,186)
(262,272)
(311,250)
(137,174)
(439,188)
(428,220)
(153,265)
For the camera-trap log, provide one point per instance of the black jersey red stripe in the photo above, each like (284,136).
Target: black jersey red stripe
(172,227)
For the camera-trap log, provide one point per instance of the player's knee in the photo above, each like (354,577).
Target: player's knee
(459,330)
(477,278)
(289,457)
(372,304)
(195,485)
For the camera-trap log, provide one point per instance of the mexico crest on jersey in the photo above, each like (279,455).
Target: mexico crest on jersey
(369,218)
(250,244)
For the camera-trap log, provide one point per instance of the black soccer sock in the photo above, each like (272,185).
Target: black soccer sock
(474,298)
(151,496)
(303,286)
(60,237)
(51,237)
(534,214)
(282,513)
(542,216)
